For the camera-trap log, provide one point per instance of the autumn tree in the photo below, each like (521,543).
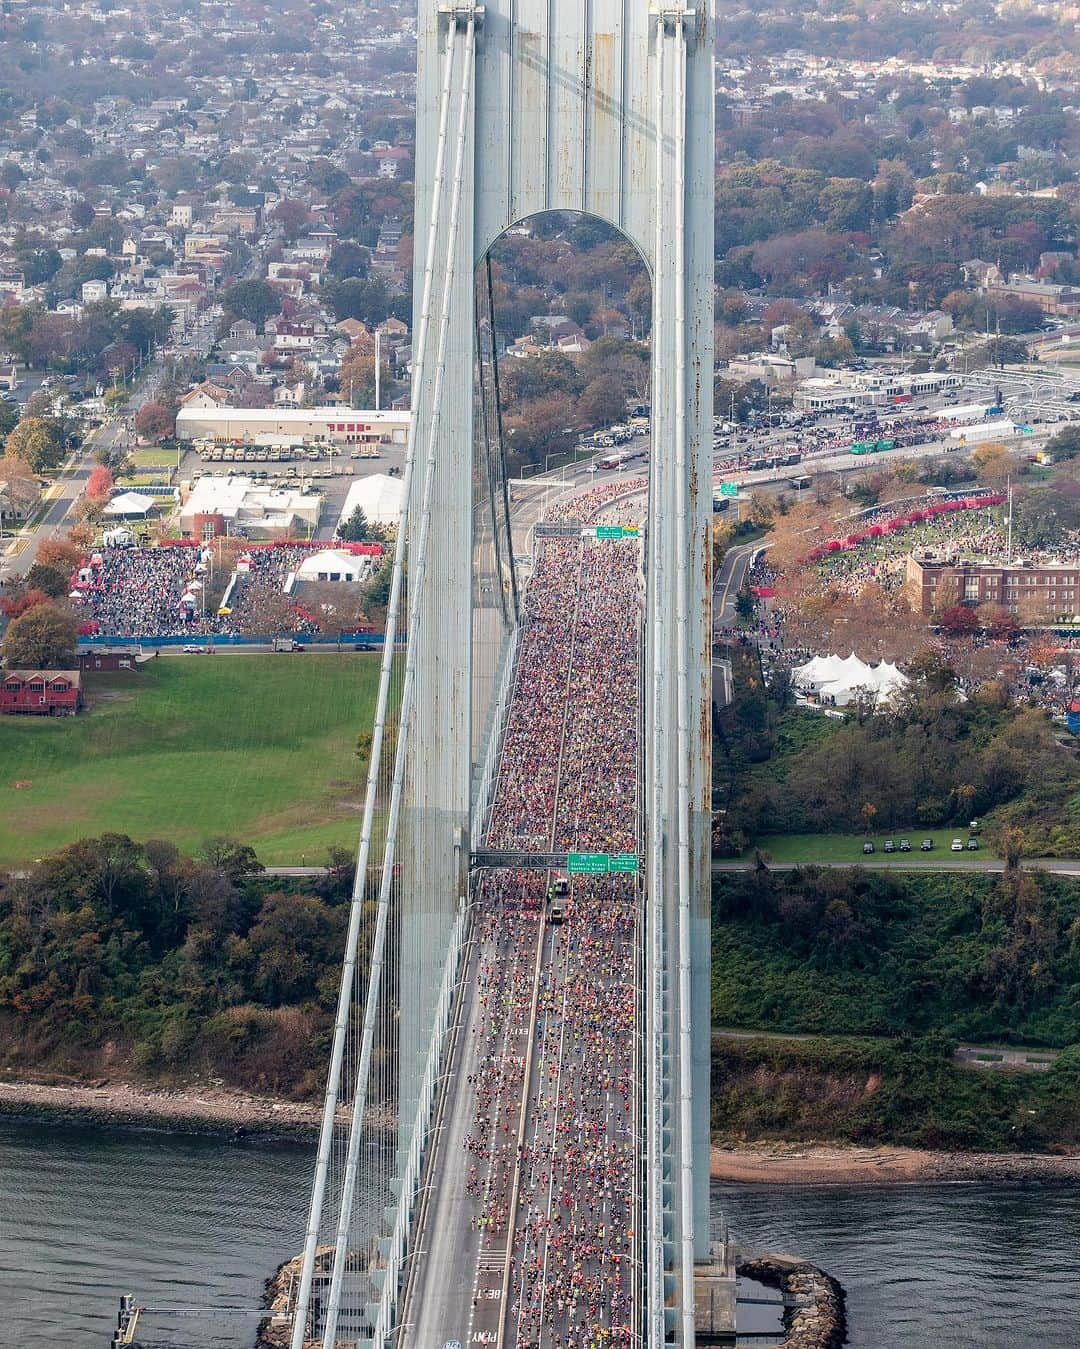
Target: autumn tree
(65,554)
(44,637)
(99,484)
(35,441)
(155,421)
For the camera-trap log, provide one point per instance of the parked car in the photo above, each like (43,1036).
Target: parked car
(868,847)
(957,845)
(890,846)
(927,845)
(905,846)
(973,845)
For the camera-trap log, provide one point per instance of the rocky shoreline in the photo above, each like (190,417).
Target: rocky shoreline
(213,1111)
(837,1164)
(814,1308)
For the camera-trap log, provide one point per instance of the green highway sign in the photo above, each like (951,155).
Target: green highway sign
(587,864)
(615,532)
(600,863)
(729,489)
(626,861)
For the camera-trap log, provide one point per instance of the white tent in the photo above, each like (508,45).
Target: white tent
(838,682)
(379,496)
(129,504)
(332,564)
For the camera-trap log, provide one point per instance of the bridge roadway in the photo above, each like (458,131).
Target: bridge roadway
(525,1233)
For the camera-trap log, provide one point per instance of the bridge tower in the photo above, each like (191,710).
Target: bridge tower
(524,106)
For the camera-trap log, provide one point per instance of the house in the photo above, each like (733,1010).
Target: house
(206,396)
(242,330)
(113,658)
(41,693)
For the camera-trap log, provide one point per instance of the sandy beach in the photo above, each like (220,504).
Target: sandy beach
(203,1110)
(836,1164)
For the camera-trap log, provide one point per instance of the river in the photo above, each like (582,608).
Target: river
(86,1214)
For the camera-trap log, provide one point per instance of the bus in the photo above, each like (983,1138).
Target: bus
(611,461)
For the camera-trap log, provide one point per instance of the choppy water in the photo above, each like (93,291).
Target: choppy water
(86,1214)
(934,1267)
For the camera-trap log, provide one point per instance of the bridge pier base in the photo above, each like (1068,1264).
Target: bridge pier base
(714,1298)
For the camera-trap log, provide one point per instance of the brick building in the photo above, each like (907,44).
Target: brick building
(1051,589)
(41,693)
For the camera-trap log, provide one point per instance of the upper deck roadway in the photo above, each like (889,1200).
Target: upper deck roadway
(525,1233)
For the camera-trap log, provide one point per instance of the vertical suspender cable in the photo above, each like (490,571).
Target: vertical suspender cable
(682,606)
(416,596)
(341,1023)
(654,975)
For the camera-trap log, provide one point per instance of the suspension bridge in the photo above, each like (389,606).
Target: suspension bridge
(515,1139)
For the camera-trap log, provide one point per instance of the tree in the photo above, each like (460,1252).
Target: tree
(993,463)
(958,621)
(356,529)
(293,218)
(256,301)
(1065,445)
(66,554)
(53,579)
(36,442)
(43,638)
(9,419)
(602,401)
(14,605)
(155,421)
(366,299)
(745,603)
(99,484)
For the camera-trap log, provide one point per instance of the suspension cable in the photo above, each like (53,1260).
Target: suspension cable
(341,1023)
(416,598)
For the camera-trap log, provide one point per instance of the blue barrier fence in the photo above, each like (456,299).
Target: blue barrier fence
(369,640)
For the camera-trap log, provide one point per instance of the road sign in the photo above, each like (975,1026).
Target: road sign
(615,532)
(626,861)
(587,864)
(600,863)
(729,489)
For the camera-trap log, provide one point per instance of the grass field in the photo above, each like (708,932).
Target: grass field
(849,847)
(260,748)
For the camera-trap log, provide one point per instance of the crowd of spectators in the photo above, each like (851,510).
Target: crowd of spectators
(176,591)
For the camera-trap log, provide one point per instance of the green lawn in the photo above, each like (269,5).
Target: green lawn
(260,748)
(849,847)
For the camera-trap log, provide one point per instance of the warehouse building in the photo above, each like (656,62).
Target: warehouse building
(292,426)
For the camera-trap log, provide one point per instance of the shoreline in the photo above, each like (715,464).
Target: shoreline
(210,1111)
(237,1116)
(807,1164)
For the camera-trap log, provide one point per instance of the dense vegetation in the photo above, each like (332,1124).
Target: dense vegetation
(976,957)
(131,959)
(904,1092)
(929,761)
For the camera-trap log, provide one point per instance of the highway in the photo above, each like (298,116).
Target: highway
(530,1196)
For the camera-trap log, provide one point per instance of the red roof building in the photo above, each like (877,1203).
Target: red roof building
(40,693)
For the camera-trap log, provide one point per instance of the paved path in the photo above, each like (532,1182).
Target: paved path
(1057,865)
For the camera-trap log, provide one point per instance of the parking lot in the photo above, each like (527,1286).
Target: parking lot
(329,469)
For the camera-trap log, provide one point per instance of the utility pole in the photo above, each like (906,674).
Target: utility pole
(1009,545)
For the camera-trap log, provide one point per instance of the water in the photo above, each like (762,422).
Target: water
(86,1214)
(948,1266)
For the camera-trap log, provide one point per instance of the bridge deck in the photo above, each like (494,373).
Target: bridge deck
(527,1228)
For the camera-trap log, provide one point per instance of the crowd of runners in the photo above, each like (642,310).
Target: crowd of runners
(550,1151)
